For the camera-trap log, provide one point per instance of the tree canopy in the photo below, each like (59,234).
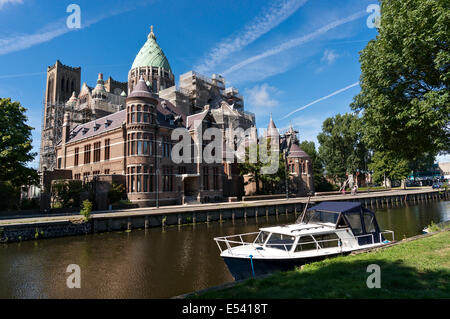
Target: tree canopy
(15,145)
(15,153)
(405,98)
(341,146)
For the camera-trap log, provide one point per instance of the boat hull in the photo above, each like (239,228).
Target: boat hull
(241,268)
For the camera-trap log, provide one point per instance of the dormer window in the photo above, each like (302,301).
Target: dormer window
(85,130)
(96,127)
(108,123)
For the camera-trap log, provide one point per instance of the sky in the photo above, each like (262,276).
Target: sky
(296,59)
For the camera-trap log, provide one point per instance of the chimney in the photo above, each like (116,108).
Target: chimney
(66,128)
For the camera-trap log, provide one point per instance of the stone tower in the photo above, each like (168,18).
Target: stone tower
(62,81)
(141,126)
(152,65)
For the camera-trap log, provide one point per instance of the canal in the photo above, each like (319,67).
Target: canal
(157,262)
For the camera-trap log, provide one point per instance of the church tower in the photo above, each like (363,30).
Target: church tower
(152,65)
(62,81)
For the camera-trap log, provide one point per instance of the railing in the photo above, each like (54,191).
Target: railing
(387,232)
(239,241)
(373,238)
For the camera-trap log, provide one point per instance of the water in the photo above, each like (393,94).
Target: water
(155,263)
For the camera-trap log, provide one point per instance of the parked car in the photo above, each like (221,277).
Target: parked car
(436,185)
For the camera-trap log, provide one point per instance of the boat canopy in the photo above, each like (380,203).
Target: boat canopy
(358,218)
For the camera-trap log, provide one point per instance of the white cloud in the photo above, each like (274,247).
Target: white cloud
(329,57)
(271,17)
(49,32)
(260,98)
(3,2)
(276,49)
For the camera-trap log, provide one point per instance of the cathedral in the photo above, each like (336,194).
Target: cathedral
(121,132)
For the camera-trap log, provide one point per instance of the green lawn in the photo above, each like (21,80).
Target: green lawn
(414,269)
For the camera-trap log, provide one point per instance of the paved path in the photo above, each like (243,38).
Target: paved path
(203,207)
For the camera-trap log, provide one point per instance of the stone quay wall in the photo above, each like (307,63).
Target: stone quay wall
(16,230)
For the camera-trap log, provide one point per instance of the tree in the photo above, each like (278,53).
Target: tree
(405,98)
(387,166)
(341,146)
(68,192)
(116,193)
(15,153)
(271,183)
(320,182)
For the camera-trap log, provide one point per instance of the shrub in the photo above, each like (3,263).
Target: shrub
(86,209)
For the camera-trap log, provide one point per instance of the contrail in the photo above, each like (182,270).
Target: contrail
(295,42)
(321,99)
(269,19)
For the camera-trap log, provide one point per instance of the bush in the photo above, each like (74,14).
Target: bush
(86,209)
(28,204)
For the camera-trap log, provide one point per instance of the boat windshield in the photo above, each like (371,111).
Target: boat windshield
(318,216)
(280,241)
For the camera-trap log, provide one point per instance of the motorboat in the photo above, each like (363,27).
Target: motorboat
(325,230)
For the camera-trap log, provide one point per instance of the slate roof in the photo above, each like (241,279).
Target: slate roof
(296,151)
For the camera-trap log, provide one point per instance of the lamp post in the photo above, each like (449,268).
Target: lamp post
(157,145)
(286,173)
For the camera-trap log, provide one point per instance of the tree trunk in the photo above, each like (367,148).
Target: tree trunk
(403,184)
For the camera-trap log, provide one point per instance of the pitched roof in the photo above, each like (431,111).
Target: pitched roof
(195,117)
(272,129)
(296,151)
(141,90)
(104,124)
(165,115)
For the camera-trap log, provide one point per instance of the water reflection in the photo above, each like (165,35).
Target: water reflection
(155,263)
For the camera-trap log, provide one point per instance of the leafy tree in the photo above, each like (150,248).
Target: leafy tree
(387,165)
(320,182)
(341,146)
(271,183)
(405,97)
(68,192)
(116,193)
(15,153)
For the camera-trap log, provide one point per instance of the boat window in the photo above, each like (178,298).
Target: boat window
(369,222)
(261,238)
(354,219)
(317,216)
(305,243)
(280,241)
(327,240)
(341,223)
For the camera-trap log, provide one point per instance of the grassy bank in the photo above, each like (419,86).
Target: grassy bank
(413,269)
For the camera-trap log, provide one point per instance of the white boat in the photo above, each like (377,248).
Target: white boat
(325,230)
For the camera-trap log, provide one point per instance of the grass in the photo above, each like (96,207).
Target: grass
(414,269)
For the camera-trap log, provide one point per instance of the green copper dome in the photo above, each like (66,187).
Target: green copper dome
(151,55)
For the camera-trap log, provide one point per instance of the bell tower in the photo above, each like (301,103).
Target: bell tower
(62,81)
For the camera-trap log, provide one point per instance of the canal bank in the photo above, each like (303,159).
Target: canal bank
(22,229)
(417,267)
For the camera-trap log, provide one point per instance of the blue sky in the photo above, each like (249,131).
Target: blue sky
(282,55)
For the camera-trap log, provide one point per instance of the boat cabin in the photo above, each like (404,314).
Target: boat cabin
(353,215)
